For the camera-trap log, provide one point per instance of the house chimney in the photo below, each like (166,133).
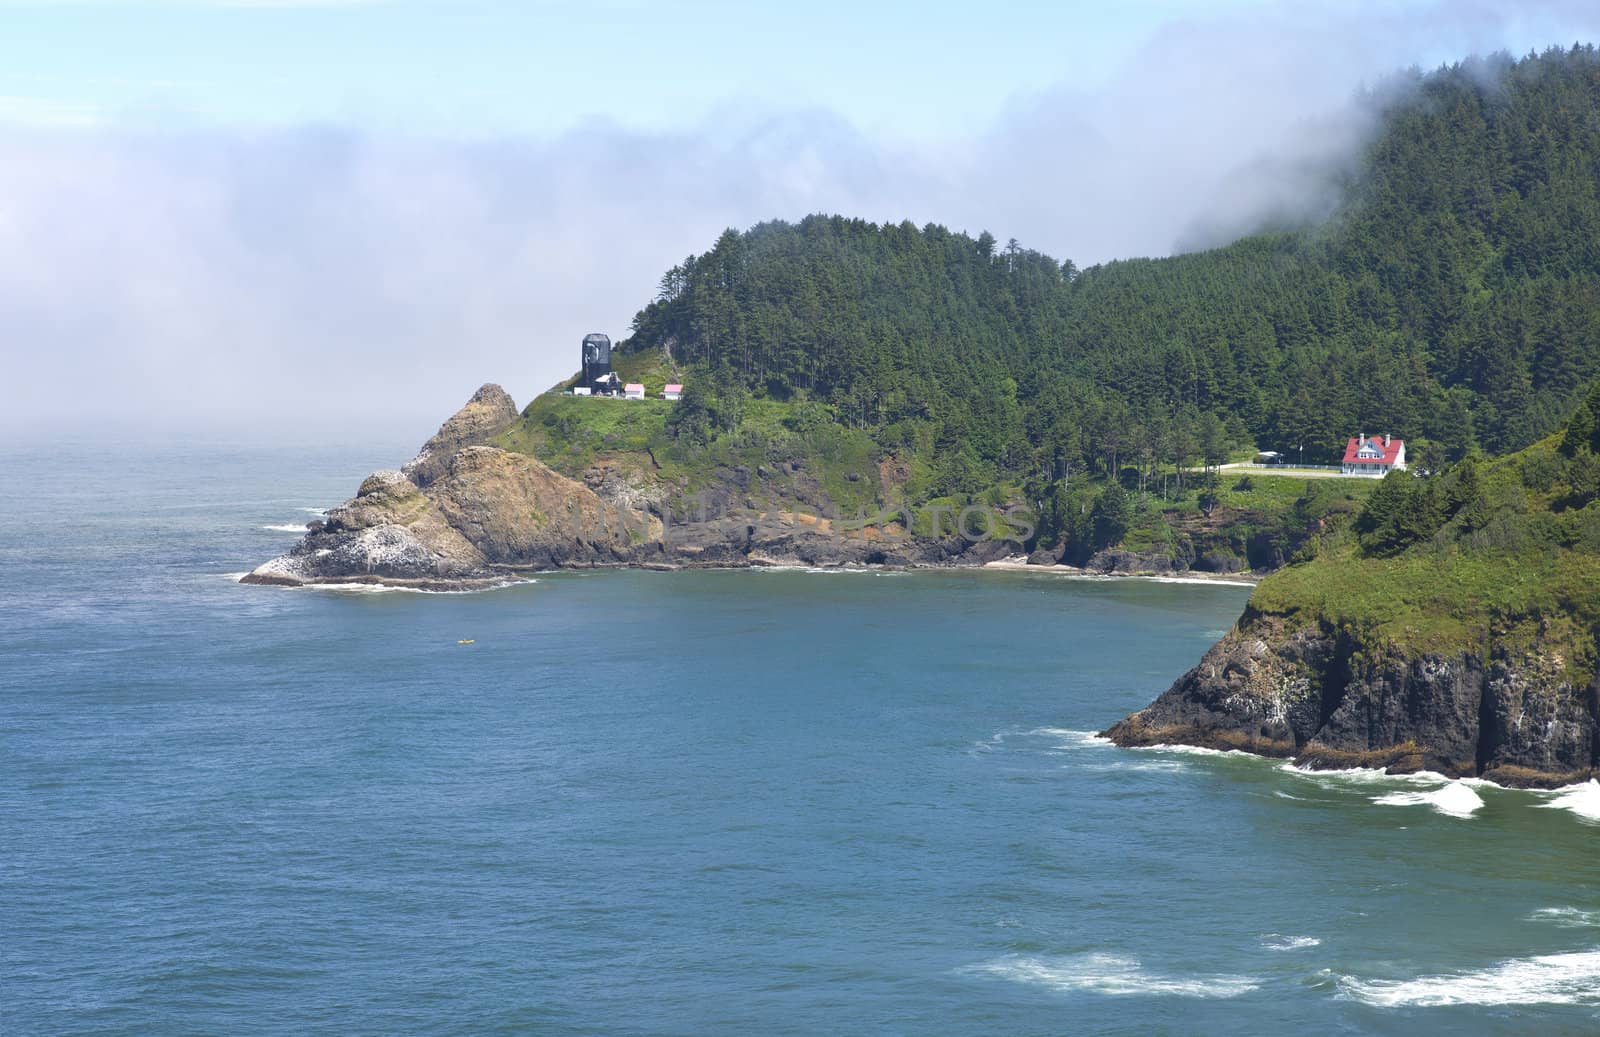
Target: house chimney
(1386,440)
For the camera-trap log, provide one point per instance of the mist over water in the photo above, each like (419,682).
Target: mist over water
(265,278)
(743,802)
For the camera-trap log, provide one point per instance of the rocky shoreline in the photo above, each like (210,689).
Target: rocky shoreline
(1329,700)
(467,515)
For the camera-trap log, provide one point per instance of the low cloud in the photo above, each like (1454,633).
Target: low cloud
(326,277)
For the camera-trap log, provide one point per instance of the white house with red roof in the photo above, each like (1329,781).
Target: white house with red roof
(1374,457)
(633,391)
(672,391)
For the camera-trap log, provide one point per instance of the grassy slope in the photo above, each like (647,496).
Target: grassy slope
(574,434)
(1251,508)
(1538,578)
(849,468)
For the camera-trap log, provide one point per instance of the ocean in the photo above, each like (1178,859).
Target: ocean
(752,802)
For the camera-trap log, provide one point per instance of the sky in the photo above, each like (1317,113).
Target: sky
(263,217)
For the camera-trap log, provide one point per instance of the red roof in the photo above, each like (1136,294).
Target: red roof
(673,387)
(1387,454)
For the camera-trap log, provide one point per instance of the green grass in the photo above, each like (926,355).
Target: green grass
(1430,601)
(1532,585)
(573,434)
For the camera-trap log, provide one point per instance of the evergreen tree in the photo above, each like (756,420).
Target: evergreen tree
(1112,515)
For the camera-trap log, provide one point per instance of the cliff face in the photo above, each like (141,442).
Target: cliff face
(463,514)
(1331,698)
(459,515)
(490,411)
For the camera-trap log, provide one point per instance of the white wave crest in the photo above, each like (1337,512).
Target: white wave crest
(1111,974)
(1566,917)
(1550,979)
(1279,942)
(1582,800)
(1070,737)
(1192,750)
(1454,799)
(315,511)
(1358,775)
(384,588)
(286,527)
(1123,765)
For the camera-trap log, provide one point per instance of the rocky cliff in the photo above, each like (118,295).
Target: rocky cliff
(1331,696)
(458,515)
(1452,625)
(464,514)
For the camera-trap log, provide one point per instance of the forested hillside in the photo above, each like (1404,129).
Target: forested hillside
(1448,625)
(1454,300)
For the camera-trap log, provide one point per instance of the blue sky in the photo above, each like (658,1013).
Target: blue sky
(539,66)
(280,215)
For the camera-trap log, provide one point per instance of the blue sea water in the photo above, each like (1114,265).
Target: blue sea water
(689,803)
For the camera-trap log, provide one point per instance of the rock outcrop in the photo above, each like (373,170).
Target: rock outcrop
(389,532)
(490,412)
(461,515)
(1331,699)
(465,514)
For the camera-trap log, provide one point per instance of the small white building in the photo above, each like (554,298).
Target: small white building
(671,391)
(582,390)
(1373,457)
(633,391)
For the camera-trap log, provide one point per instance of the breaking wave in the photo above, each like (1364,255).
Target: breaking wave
(1453,800)
(1112,975)
(286,527)
(1582,800)
(1071,738)
(1193,750)
(1279,942)
(384,588)
(1549,979)
(1566,917)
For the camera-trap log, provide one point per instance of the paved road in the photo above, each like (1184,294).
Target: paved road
(1288,471)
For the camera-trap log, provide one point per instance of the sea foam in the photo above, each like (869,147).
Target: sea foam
(1113,975)
(384,588)
(286,527)
(1454,799)
(1193,750)
(1582,800)
(1279,942)
(1200,580)
(1071,738)
(1566,917)
(1549,979)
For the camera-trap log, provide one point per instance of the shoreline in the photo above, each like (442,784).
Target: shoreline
(515,575)
(1311,766)
(1191,576)
(1521,779)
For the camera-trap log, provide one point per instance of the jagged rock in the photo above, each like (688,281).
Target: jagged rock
(1118,561)
(518,512)
(1048,555)
(490,412)
(463,514)
(1330,698)
(391,532)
